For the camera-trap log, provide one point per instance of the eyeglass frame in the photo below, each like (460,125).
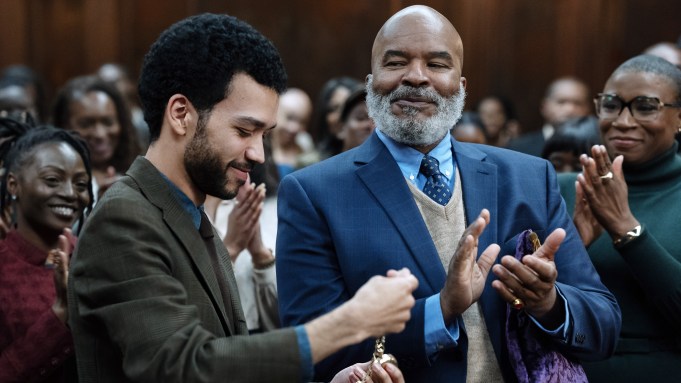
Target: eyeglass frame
(628,104)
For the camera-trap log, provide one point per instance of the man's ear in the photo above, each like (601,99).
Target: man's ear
(179,113)
(463,82)
(12,184)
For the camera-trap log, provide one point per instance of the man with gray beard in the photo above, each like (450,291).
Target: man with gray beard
(411,196)
(410,130)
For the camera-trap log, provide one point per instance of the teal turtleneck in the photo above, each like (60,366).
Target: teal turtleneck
(656,173)
(644,275)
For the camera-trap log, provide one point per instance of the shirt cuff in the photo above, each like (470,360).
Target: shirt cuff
(305,354)
(561,331)
(267,276)
(438,336)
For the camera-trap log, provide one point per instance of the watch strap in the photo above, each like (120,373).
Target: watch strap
(629,236)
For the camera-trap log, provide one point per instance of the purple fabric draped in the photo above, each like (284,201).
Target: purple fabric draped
(531,355)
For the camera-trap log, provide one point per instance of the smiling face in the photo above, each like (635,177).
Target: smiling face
(229,141)
(638,141)
(416,86)
(94,117)
(51,189)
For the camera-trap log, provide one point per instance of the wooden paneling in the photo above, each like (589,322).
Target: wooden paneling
(513,48)
(14,36)
(101,32)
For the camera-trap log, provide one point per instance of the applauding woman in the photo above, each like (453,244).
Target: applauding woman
(98,113)
(627,211)
(47,181)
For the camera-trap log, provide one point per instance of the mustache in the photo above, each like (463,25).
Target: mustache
(246,166)
(406,91)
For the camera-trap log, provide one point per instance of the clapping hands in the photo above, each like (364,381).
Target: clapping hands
(602,198)
(58,259)
(243,227)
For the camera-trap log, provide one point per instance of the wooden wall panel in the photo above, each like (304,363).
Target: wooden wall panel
(14,36)
(513,48)
(101,32)
(319,40)
(56,41)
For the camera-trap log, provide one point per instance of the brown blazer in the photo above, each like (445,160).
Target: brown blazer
(145,304)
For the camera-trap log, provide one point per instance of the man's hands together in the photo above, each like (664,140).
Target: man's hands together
(532,280)
(466,277)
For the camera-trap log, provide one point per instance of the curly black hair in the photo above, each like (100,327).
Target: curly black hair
(128,144)
(198,57)
(18,141)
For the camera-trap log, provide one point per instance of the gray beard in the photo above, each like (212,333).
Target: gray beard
(411,130)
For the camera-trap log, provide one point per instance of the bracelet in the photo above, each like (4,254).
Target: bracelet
(628,237)
(265,265)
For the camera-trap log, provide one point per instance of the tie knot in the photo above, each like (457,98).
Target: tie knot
(430,166)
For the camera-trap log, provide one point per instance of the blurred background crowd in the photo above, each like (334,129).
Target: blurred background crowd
(533,70)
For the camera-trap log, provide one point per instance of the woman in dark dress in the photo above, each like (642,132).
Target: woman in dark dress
(626,208)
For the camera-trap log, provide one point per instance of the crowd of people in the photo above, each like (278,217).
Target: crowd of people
(214,222)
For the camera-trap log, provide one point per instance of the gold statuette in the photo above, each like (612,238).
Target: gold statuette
(379,357)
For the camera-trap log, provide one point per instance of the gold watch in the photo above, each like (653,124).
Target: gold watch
(629,236)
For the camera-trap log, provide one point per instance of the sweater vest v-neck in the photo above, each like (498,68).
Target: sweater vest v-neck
(446,225)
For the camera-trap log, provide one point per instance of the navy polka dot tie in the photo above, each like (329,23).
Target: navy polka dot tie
(436,185)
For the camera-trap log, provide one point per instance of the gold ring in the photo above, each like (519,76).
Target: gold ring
(387,358)
(518,304)
(608,176)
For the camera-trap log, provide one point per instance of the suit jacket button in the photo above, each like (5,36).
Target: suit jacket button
(580,338)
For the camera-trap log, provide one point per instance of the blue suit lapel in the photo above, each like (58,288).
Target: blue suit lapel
(479,186)
(381,175)
(479,180)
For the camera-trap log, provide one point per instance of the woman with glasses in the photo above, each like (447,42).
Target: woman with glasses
(627,203)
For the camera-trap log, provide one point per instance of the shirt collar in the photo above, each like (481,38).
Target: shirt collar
(409,159)
(185,202)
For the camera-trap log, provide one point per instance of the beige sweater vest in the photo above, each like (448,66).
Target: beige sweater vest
(446,224)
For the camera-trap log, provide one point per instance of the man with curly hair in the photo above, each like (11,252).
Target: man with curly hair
(152,295)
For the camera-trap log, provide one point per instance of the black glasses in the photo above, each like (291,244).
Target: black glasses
(642,108)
